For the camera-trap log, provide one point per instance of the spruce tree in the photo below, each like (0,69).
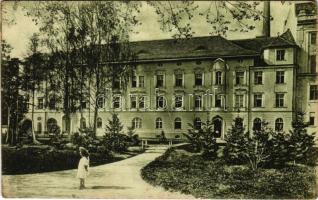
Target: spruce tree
(114,126)
(301,143)
(235,142)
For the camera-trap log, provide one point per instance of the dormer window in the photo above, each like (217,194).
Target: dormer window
(280,55)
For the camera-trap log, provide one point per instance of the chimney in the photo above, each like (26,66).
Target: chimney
(267,19)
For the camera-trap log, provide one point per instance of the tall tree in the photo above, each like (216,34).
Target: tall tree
(12,103)
(33,75)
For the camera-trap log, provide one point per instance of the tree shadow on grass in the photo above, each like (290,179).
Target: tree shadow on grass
(109,187)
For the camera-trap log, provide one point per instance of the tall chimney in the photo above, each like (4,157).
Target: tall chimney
(267,19)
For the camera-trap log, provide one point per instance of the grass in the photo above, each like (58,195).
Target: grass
(179,170)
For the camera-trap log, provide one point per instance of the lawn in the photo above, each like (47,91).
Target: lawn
(180,170)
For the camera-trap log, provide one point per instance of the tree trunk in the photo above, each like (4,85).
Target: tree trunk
(34,140)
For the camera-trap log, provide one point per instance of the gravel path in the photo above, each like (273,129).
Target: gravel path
(115,180)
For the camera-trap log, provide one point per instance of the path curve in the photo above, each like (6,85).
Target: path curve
(115,180)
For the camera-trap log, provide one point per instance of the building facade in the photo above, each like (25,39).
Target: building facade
(177,82)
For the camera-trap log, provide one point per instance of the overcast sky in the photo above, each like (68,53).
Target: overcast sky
(17,35)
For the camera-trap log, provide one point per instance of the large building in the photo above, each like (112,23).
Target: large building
(177,82)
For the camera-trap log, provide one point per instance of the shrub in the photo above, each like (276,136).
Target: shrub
(235,140)
(114,139)
(301,143)
(86,138)
(203,139)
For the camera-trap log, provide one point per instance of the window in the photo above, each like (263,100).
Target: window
(280,77)
(99,122)
(239,78)
(141,81)
(116,102)
(177,123)
(238,122)
(159,80)
(198,80)
(312,119)
(218,78)
(313,92)
(52,103)
(141,102)
(179,80)
(313,69)
(40,103)
(258,78)
(280,55)
(83,123)
(313,37)
(160,102)
(279,100)
(257,124)
(133,81)
(39,127)
(197,123)
(100,102)
(279,124)
(116,83)
(133,102)
(51,125)
(136,123)
(218,101)
(198,101)
(178,101)
(239,101)
(258,100)
(83,104)
(158,123)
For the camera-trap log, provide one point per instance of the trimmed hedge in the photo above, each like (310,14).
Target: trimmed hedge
(192,174)
(33,159)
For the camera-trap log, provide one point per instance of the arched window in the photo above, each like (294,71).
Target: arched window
(279,124)
(65,124)
(257,124)
(177,123)
(51,125)
(39,128)
(136,123)
(238,122)
(158,123)
(197,123)
(99,122)
(218,78)
(83,123)
(217,124)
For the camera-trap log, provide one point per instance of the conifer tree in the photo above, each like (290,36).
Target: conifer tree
(235,141)
(114,126)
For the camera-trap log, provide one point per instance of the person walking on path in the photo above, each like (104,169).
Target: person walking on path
(82,170)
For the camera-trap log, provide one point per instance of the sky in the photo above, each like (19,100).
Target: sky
(18,34)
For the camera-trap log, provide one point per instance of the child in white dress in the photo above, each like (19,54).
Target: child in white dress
(83,165)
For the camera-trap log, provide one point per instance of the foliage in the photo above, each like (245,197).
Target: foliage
(233,150)
(34,159)
(86,138)
(301,143)
(133,138)
(222,16)
(203,139)
(192,174)
(114,139)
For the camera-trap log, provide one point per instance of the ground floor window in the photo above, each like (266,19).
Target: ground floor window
(158,123)
(136,123)
(197,123)
(51,125)
(257,124)
(83,123)
(279,124)
(99,122)
(177,123)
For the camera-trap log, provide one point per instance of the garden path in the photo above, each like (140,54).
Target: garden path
(115,180)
